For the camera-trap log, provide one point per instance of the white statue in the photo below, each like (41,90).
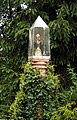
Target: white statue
(38,50)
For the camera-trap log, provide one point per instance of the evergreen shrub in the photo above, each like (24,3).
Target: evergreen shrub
(37,97)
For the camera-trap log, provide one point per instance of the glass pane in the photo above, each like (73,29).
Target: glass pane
(39,42)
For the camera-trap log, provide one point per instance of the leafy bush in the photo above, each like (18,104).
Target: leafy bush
(36,95)
(8,87)
(73,80)
(67,99)
(65,113)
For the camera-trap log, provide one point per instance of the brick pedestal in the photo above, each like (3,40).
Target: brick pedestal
(40,63)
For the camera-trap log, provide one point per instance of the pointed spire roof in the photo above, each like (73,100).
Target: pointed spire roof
(39,23)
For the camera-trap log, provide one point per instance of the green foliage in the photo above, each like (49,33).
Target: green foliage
(67,99)
(72,74)
(54,84)
(68,86)
(60,26)
(61,16)
(8,88)
(73,81)
(36,95)
(63,34)
(65,113)
(18,31)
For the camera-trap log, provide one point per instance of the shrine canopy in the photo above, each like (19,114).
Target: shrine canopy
(39,39)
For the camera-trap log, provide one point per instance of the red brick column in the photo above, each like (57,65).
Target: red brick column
(40,63)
